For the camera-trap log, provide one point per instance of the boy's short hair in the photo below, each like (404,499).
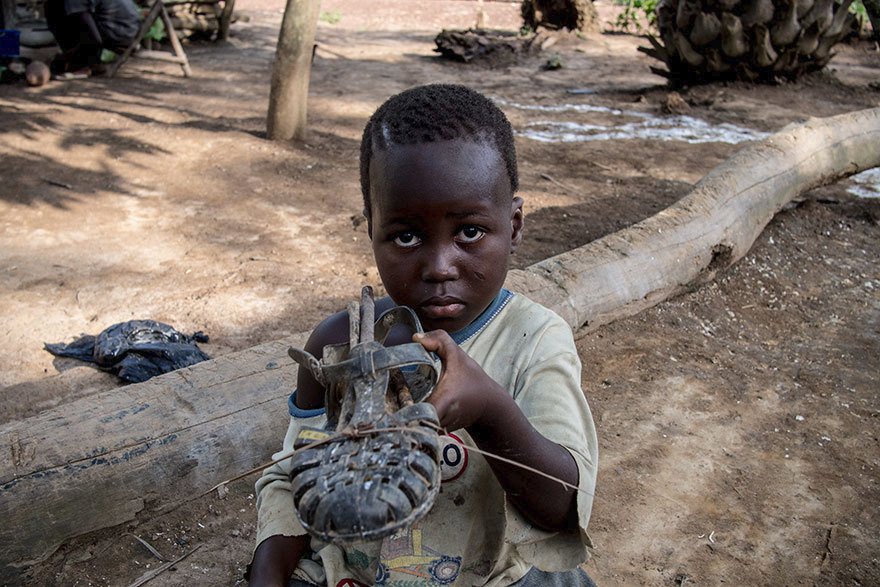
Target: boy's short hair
(437,112)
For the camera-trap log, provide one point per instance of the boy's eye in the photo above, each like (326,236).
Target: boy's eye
(470,234)
(407,239)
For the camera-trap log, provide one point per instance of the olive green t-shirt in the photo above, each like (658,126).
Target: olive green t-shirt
(472,535)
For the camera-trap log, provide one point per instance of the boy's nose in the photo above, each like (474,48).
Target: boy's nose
(440,265)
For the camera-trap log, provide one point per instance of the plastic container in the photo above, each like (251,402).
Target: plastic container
(10,43)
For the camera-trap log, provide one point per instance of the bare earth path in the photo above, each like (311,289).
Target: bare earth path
(738,423)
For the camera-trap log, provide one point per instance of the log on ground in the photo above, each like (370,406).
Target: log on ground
(138,450)
(709,229)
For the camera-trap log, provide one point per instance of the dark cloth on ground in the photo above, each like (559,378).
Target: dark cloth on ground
(136,350)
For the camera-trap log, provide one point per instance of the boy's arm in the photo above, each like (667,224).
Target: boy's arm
(87,24)
(281,540)
(466,397)
(506,431)
(275,560)
(89,36)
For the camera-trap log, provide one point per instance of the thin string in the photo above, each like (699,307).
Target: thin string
(371,431)
(486,453)
(338,436)
(492,455)
(284,457)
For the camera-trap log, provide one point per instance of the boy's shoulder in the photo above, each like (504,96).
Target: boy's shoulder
(526,310)
(334,328)
(524,341)
(522,328)
(520,317)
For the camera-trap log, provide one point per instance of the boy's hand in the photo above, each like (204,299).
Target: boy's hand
(466,397)
(464,393)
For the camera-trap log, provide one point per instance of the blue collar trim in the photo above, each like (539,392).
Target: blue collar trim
(483,320)
(298,412)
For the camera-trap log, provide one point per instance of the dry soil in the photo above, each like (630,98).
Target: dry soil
(738,423)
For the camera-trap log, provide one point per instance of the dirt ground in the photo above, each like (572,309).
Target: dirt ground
(738,424)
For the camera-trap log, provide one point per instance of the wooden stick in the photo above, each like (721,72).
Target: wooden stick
(60,184)
(176,47)
(492,455)
(551,179)
(150,575)
(283,457)
(148,546)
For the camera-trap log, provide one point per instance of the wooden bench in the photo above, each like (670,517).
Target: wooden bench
(176,55)
(142,48)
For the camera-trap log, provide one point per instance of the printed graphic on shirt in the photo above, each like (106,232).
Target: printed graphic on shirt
(453,458)
(406,562)
(349,583)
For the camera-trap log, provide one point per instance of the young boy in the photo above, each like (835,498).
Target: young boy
(438,175)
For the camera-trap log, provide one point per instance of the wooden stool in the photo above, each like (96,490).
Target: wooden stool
(175,56)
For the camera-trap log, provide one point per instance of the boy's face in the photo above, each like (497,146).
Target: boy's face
(443,225)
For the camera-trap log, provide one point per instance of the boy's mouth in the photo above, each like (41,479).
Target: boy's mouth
(438,308)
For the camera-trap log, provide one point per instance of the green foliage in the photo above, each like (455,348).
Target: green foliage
(635,12)
(858,9)
(330,16)
(157,31)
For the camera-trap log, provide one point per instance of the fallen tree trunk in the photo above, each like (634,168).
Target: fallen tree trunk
(144,449)
(707,230)
(141,449)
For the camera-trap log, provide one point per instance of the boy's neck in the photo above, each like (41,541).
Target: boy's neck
(486,316)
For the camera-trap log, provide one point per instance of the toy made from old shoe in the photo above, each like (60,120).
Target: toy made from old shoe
(379,468)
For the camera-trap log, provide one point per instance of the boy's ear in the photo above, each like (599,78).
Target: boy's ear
(516,222)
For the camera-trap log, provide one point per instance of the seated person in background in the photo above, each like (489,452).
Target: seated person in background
(83,28)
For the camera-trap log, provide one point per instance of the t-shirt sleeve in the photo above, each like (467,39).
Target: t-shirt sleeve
(549,393)
(275,510)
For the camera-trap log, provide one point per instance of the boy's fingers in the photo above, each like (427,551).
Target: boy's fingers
(436,341)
